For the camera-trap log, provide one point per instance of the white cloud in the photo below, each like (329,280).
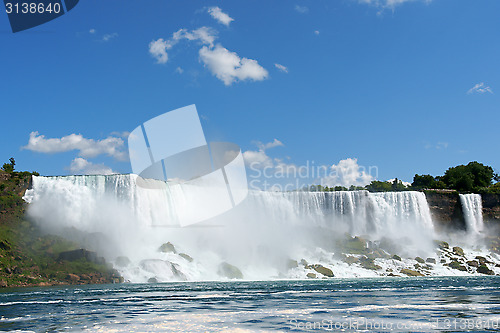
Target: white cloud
(281,68)
(259,159)
(158,49)
(228,67)
(92,31)
(111,146)
(220,16)
(389,4)
(480,88)
(179,70)
(108,37)
(272,144)
(346,173)
(205,35)
(316,32)
(391,181)
(301,9)
(82,166)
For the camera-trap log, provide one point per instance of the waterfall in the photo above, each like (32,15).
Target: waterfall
(472,208)
(258,234)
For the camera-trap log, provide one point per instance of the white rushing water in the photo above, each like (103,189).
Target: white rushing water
(116,217)
(472,207)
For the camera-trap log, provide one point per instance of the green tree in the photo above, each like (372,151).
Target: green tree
(468,178)
(378,186)
(9,167)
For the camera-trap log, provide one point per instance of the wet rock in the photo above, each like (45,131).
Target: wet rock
(163,268)
(473,263)
(355,245)
(411,272)
(483,260)
(456,265)
(392,274)
(73,278)
(186,257)
(458,251)
(430,260)
(483,269)
(304,262)
(311,275)
(167,248)
(321,270)
(291,264)
(442,245)
(229,271)
(396,257)
(420,260)
(152,280)
(122,261)
(351,260)
(368,263)
(442,261)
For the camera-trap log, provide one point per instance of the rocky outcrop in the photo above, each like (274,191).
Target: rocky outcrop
(446,209)
(229,271)
(491,208)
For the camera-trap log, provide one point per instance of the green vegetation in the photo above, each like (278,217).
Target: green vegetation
(473,177)
(27,256)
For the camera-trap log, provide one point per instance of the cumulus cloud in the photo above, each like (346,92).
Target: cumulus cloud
(92,31)
(179,70)
(281,68)
(220,16)
(88,148)
(480,88)
(228,67)
(316,32)
(82,166)
(158,48)
(259,158)
(346,173)
(301,9)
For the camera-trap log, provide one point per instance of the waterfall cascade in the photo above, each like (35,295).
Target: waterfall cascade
(472,208)
(260,234)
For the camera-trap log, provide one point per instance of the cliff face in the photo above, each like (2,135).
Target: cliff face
(491,208)
(446,209)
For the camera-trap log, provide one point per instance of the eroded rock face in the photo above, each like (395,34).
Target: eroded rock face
(321,270)
(229,271)
(446,209)
(162,269)
(167,248)
(411,272)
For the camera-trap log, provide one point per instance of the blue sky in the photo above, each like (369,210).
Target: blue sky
(404,86)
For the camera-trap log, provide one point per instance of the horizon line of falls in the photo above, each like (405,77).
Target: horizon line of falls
(116,217)
(472,207)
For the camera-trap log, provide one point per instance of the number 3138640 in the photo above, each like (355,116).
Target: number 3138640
(32,8)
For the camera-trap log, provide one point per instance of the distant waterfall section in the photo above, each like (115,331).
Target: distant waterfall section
(472,207)
(79,201)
